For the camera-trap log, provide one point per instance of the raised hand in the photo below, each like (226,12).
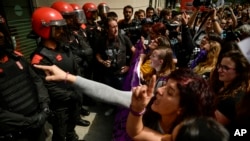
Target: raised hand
(141,95)
(184,18)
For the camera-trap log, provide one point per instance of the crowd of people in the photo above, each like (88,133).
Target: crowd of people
(166,75)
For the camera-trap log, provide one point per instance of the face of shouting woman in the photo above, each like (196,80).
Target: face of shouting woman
(167,102)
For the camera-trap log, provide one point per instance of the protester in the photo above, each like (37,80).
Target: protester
(56,74)
(230,81)
(162,63)
(114,55)
(185,95)
(206,129)
(206,60)
(157,34)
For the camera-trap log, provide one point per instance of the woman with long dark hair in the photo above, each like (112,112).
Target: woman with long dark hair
(230,82)
(185,95)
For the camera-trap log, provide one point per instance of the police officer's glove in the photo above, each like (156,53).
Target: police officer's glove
(39,119)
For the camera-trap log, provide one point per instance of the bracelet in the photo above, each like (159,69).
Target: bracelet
(214,20)
(137,113)
(66,76)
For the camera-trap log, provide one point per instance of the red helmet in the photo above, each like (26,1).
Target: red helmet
(88,8)
(63,7)
(42,20)
(75,6)
(103,8)
(80,16)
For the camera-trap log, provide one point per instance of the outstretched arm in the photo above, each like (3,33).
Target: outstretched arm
(103,92)
(91,88)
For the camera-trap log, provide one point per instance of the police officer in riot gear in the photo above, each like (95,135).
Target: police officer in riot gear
(103,10)
(49,24)
(79,32)
(94,32)
(24,102)
(91,13)
(77,41)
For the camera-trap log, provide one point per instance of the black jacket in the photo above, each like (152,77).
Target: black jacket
(22,94)
(60,92)
(184,50)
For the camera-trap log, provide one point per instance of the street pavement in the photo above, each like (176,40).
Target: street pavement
(100,128)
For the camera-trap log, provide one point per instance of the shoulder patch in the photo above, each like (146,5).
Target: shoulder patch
(59,57)
(83,26)
(36,59)
(5,59)
(1,70)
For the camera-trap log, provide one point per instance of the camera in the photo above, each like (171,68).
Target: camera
(232,35)
(155,18)
(134,26)
(172,28)
(133,30)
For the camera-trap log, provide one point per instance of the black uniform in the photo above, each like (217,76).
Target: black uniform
(23,101)
(83,55)
(82,51)
(94,34)
(64,99)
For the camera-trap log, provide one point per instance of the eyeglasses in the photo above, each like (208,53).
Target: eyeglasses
(224,68)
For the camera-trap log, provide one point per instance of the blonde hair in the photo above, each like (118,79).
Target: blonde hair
(212,56)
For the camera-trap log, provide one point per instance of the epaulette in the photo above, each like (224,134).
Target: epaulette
(36,59)
(14,54)
(18,53)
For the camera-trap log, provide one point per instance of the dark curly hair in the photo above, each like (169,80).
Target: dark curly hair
(196,97)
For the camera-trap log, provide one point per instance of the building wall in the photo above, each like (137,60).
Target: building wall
(115,5)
